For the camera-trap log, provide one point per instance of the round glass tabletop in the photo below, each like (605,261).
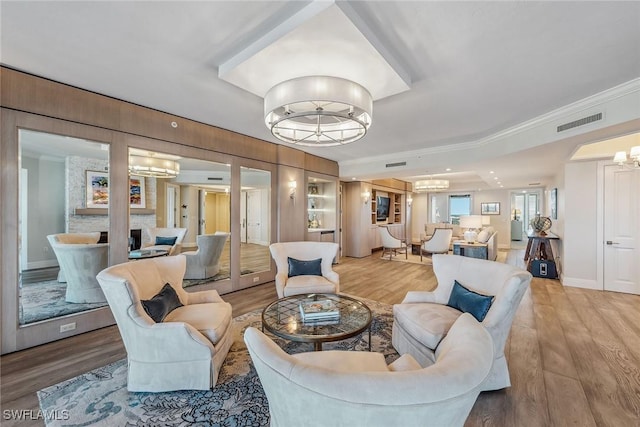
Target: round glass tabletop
(284,318)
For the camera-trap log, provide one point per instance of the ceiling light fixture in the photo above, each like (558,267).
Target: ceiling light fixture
(318,111)
(634,156)
(431,185)
(153,167)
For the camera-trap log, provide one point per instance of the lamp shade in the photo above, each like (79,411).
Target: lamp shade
(471,221)
(486,220)
(620,157)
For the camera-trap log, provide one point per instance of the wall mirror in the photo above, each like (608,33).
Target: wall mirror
(181,205)
(255,220)
(63,225)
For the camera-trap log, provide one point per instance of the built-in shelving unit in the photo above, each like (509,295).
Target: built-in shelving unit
(396,207)
(321,209)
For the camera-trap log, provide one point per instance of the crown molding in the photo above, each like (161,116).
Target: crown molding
(554,117)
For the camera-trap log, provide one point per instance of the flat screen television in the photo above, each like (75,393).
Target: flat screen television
(382,208)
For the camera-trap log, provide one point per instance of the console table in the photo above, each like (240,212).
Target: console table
(539,255)
(472,250)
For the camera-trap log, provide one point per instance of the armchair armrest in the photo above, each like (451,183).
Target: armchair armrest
(333,277)
(281,279)
(203,297)
(419,296)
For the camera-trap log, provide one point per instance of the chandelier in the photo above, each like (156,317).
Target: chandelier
(431,185)
(634,156)
(153,167)
(318,111)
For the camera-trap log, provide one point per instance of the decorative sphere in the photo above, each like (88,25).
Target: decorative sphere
(541,224)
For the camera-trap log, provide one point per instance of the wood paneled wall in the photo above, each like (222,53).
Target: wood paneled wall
(37,103)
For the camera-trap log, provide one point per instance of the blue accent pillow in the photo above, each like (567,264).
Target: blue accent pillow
(304,268)
(163,303)
(166,240)
(468,301)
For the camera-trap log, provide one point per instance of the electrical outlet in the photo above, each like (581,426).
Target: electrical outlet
(45,249)
(256,279)
(68,327)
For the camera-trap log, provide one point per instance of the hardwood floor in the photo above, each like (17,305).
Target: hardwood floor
(574,354)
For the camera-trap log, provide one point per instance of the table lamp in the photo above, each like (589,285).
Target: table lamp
(472,223)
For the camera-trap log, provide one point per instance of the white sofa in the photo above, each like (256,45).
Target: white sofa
(183,352)
(286,286)
(80,259)
(489,236)
(357,388)
(423,318)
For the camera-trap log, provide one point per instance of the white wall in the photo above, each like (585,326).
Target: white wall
(579,230)
(501,223)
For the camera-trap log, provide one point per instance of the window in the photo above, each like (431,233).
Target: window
(459,205)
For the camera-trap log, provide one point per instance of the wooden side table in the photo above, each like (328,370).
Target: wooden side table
(539,255)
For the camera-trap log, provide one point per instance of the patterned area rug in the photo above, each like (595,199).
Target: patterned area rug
(45,300)
(100,397)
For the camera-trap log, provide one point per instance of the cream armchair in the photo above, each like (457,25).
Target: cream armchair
(391,244)
(154,233)
(205,262)
(357,388)
(424,318)
(438,243)
(80,259)
(183,352)
(329,282)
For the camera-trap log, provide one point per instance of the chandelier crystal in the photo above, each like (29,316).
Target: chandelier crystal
(431,185)
(318,111)
(153,167)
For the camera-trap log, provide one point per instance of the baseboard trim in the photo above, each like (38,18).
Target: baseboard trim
(580,283)
(34,265)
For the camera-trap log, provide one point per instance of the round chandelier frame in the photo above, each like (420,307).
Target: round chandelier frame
(318,111)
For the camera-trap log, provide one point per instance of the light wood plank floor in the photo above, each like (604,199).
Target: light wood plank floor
(574,354)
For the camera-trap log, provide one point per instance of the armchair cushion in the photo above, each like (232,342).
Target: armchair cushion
(427,323)
(469,301)
(304,268)
(163,303)
(210,319)
(308,284)
(170,241)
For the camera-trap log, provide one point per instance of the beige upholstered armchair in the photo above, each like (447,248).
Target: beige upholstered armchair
(325,281)
(357,388)
(391,244)
(80,258)
(183,351)
(205,262)
(438,243)
(424,318)
(155,233)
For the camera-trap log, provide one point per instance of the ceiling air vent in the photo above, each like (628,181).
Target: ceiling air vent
(580,122)
(394,165)
(210,178)
(534,183)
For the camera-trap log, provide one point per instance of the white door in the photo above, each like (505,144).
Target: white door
(243,217)
(173,219)
(254,209)
(621,231)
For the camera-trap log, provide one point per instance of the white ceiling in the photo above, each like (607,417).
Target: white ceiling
(473,69)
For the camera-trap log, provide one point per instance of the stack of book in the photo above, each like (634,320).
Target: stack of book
(319,311)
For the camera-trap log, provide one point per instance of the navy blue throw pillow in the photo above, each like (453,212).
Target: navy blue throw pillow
(166,240)
(162,304)
(304,268)
(468,301)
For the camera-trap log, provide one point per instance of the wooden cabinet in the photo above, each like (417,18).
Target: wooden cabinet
(395,207)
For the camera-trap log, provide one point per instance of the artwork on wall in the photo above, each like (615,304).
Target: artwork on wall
(97,189)
(491,208)
(553,203)
(136,192)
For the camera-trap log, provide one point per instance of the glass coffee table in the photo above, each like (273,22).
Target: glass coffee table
(282,318)
(147,253)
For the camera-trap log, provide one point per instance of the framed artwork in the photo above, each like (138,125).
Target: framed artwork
(136,192)
(491,208)
(97,186)
(553,203)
